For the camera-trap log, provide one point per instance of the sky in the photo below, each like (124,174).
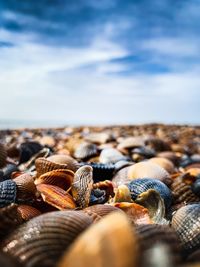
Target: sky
(99,62)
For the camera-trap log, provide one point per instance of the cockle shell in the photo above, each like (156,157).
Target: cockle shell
(113,244)
(8,192)
(27,212)
(150,170)
(164,163)
(186,222)
(41,241)
(82,185)
(3,155)
(85,151)
(56,196)
(111,155)
(62,178)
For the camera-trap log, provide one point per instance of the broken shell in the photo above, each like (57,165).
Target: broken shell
(85,151)
(136,213)
(186,222)
(107,186)
(122,194)
(61,178)
(138,186)
(150,170)
(56,196)
(105,250)
(164,163)
(152,200)
(111,155)
(28,212)
(40,241)
(3,156)
(82,185)
(8,191)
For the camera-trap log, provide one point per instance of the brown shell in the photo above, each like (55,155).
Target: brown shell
(98,138)
(164,163)
(41,241)
(85,151)
(107,186)
(28,212)
(56,196)
(105,243)
(61,177)
(3,156)
(149,170)
(170,155)
(190,176)
(130,142)
(136,213)
(82,185)
(26,189)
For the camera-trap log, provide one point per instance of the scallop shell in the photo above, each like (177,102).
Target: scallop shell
(186,222)
(56,196)
(82,185)
(8,192)
(61,178)
(105,250)
(152,200)
(150,170)
(41,241)
(3,156)
(9,219)
(28,212)
(111,155)
(136,213)
(85,151)
(138,186)
(164,163)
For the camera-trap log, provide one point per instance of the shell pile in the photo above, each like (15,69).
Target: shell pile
(121,196)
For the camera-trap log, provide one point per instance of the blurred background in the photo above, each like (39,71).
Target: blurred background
(91,62)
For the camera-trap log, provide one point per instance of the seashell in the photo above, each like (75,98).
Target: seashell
(26,189)
(9,219)
(182,192)
(82,185)
(155,234)
(85,151)
(27,150)
(138,186)
(152,200)
(140,153)
(65,160)
(56,196)
(8,170)
(3,155)
(122,164)
(136,213)
(28,212)
(47,140)
(164,163)
(98,138)
(170,155)
(61,178)
(130,143)
(105,250)
(186,222)
(157,144)
(98,196)
(8,261)
(194,257)
(196,187)
(8,191)
(111,155)
(190,176)
(121,177)
(101,171)
(107,186)
(122,194)
(150,170)
(41,241)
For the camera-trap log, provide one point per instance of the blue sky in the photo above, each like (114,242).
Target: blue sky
(100,62)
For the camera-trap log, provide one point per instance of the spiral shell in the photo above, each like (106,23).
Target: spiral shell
(3,156)
(40,241)
(105,250)
(8,192)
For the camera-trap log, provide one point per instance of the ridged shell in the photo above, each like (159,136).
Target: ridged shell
(8,191)
(136,213)
(41,241)
(62,178)
(111,155)
(113,244)
(9,219)
(7,261)
(56,196)
(85,151)
(82,185)
(150,170)
(182,193)
(164,163)
(186,222)
(3,156)
(28,212)
(138,186)
(152,200)
(26,189)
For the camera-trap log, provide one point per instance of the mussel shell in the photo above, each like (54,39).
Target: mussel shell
(111,155)
(186,222)
(113,244)
(41,241)
(138,186)
(8,192)
(85,151)
(3,155)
